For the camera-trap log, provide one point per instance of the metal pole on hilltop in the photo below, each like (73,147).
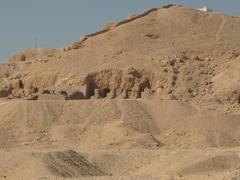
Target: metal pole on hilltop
(205,3)
(36,43)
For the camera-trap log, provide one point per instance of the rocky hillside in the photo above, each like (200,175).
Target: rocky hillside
(156,94)
(171,52)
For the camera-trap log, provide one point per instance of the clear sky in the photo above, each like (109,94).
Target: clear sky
(57,23)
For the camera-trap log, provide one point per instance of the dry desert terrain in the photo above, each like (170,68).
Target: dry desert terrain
(154,96)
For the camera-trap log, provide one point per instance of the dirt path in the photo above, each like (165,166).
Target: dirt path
(219,31)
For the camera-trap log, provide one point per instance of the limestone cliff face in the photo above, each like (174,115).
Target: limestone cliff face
(156,94)
(170,52)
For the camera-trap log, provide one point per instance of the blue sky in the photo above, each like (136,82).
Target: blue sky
(57,23)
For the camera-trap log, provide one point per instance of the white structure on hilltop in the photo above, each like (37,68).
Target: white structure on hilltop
(205,9)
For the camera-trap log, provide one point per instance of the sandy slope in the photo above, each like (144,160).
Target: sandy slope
(210,163)
(114,124)
(161,101)
(118,138)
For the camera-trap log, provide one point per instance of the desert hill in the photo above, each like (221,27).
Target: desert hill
(168,49)
(156,95)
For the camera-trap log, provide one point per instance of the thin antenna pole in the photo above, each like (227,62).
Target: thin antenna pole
(205,3)
(36,43)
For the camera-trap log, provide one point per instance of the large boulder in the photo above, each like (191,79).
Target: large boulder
(4,92)
(76,95)
(64,94)
(46,91)
(32,97)
(5,89)
(101,93)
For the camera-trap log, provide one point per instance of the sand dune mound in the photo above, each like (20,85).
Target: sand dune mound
(123,124)
(217,163)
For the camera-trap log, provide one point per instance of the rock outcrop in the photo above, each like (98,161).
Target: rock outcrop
(75,95)
(5,90)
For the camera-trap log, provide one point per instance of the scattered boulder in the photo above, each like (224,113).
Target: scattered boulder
(32,98)
(234,97)
(132,16)
(64,94)
(4,92)
(112,94)
(22,57)
(103,92)
(152,36)
(133,72)
(5,89)
(109,25)
(51,97)
(34,90)
(45,91)
(10,97)
(169,6)
(147,94)
(76,95)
